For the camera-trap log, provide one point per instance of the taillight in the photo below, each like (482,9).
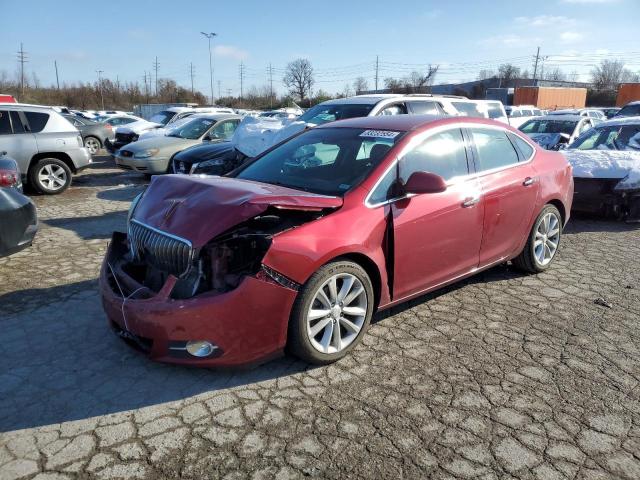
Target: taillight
(9,178)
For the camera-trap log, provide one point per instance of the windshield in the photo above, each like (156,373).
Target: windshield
(629,111)
(193,129)
(615,137)
(162,117)
(328,161)
(328,113)
(549,126)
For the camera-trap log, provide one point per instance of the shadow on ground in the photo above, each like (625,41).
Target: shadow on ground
(583,223)
(61,362)
(94,227)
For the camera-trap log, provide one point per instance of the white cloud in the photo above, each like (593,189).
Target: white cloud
(509,40)
(229,51)
(571,37)
(545,20)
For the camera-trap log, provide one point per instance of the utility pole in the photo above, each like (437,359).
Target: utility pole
(377,71)
(219,87)
(241,79)
(156,65)
(270,86)
(55,62)
(191,74)
(22,58)
(209,37)
(229,92)
(99,72)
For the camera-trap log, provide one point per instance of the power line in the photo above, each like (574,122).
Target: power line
(22,58)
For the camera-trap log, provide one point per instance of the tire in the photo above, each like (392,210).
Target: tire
(50,176)
(538,253)
(92,144)
(328,344)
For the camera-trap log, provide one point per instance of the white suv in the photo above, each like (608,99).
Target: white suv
(47,148)
(518,114)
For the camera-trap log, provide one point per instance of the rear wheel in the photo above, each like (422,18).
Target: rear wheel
(50,176)
(92,144)
(543,242)
(331,313)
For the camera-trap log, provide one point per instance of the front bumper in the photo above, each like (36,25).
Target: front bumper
(247,324)
(19,221)
(152,165)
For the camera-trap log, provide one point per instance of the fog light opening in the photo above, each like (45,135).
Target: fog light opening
(200,348)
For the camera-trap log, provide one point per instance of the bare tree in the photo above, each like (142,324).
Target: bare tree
(609,74)
(419,80)
(299,78)
(555,75)
(486,74)
(508,72)
(393,83)
(360,84)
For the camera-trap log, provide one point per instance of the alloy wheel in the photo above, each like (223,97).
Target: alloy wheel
(52,177)
(337,313)
(92,145)
(545,244)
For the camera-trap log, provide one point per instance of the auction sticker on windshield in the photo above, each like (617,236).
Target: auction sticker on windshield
(379,134)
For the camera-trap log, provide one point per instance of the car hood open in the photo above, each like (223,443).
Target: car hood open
(201,208)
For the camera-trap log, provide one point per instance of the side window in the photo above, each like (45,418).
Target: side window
(224,130)
(384,190)
(494,148)
(443,154)
(516,113)
(586,125)
(425,108)
(395,109)
(5,123)
(525,149)
(18,127)
(37,121)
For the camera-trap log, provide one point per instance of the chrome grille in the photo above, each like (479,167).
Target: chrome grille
(162,250)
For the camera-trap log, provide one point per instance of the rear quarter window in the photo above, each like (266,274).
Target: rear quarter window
(525,149)
(37,121)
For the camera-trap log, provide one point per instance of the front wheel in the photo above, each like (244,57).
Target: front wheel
(331,313)
(543,242)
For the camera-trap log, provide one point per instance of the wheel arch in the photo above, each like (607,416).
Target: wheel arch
(561,208)
(95,137)
(370,267)
(58,155)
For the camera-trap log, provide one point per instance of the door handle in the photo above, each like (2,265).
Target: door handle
(470,201)
(529,181)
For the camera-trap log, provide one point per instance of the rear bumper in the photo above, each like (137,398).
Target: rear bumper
(80,157)
(247,324)
(19,222)
(598,196)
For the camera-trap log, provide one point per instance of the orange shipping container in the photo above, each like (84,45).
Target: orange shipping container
(628,92)
(551,98)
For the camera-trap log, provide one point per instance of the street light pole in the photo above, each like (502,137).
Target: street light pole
(209,37)
(99,72)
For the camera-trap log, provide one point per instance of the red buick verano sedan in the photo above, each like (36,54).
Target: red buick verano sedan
(300,246)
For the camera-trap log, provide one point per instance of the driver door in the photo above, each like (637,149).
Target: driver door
(437,236)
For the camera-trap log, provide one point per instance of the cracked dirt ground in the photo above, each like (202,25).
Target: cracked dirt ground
(501,376)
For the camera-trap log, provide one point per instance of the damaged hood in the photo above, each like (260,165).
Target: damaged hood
(546,140)
(606,164)
(201,208)
(254,135)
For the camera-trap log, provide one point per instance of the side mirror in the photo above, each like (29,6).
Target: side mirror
(425,182)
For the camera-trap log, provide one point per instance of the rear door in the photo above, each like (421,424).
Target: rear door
(436,236)
(509,190)
(16,139)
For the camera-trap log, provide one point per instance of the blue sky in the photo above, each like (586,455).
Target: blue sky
(340,38)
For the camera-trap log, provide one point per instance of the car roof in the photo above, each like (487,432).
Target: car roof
(405,123)
(563,116)
(216,116)
(620,121)
(359,100)
(18,106)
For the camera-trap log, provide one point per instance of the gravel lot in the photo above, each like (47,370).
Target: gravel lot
(501,376)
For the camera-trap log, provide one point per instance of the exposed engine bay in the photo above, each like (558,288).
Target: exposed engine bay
(221,264)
